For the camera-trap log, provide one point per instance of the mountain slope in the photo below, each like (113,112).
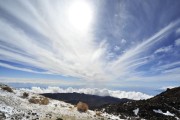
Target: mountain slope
(15,105)
(92,100)
(164,106)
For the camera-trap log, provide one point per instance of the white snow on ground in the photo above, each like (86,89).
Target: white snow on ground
(113,117)
(92,91)
(12,104)
(136,111)
(160,112)
(6,109)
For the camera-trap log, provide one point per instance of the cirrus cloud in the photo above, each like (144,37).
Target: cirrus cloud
(38,34)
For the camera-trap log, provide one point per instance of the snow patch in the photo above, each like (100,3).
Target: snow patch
(113,117)
(136,111)
(160,112)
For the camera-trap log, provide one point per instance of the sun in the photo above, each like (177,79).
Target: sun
(80,15)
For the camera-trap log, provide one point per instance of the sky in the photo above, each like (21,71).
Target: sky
(117,44)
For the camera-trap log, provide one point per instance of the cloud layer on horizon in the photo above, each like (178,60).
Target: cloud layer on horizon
(92,91)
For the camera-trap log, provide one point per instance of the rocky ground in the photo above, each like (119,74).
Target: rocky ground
(165,106)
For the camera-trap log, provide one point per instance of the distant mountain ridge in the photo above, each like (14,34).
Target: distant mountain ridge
(93,101)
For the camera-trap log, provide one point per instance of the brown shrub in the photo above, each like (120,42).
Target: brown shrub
(34,100)
(44,101)
(82,107)
(41,101)
(6,88)
(25,95)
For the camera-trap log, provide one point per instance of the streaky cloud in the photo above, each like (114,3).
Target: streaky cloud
(59,49)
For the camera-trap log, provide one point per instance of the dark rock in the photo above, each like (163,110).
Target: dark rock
(2,116)
(59,119)
(25,95)
(7,88)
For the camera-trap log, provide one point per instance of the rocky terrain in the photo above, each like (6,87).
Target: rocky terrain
(165,106)
(93,101)
(23,105)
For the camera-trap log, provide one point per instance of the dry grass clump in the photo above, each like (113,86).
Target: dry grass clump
(82,107)
(6,88)
(41,100)
(34,100)
(44,101)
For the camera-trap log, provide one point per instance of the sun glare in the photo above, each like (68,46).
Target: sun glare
(80,15)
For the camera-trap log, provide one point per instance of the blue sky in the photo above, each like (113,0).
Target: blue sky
(115,44)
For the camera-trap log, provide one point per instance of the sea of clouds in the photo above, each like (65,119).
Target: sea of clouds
(92,91)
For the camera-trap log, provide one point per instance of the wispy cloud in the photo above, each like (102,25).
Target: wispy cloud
(170,65)
(164,49)
(177,42)
(46,40)
(178,31)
